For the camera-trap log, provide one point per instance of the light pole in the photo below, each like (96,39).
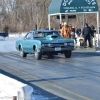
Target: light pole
(37,9)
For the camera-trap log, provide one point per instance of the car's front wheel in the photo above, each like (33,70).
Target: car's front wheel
(22,53)
(38,55)
(68,53)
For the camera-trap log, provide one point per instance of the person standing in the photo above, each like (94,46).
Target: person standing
(61,25)
(87,33)
(66,31)
(35,27)
(5,28)
(93,30)
(93,34)
(73,32)
(78,32)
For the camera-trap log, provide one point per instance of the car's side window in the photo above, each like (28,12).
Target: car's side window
(35,34)
(26,36)
(53,33)
(39,35)
(29,36)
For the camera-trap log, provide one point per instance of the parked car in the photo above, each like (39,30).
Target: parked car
(4,34)
(44,42)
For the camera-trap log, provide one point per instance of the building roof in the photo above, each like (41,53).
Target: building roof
(72,6)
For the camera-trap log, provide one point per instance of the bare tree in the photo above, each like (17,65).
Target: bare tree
(23,15)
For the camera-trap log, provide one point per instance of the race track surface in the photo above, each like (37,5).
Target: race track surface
(58,78)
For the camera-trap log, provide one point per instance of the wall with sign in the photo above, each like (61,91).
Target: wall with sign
(71,6)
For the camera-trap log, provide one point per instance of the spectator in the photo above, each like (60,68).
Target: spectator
(66,31)
(35,27)
(70,29)
(87,33)
(73,32)
(78,32)
(5,28)
(93,30)
(61,25)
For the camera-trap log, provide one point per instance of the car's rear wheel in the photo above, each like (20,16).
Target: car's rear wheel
(68,53)
(38,55)
(22,53)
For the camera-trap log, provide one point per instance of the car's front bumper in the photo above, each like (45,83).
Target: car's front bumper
(56,49)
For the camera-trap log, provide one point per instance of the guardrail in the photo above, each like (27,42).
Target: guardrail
(13,89)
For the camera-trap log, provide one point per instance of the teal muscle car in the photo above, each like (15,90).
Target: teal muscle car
(44,42)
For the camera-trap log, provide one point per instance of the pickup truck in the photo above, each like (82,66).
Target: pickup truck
(4,34)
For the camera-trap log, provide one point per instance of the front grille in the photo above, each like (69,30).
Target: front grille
(57,44)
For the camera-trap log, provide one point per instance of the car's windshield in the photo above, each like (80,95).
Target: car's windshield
(39,35)
(44,34)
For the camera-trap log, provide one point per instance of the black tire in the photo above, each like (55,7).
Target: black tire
(68,53)
(22,53)
(38,55)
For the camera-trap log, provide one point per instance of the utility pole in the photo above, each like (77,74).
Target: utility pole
(37,11)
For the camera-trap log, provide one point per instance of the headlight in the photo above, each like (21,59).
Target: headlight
(46,45)
(49,45)
(43,45)
(72,44)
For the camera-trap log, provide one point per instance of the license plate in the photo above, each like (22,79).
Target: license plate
(58,49)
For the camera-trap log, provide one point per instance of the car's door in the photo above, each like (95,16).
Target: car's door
(27,43)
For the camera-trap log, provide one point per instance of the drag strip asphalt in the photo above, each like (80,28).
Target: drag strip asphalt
(75,78)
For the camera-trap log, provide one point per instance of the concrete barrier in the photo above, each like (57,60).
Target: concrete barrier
(11,89)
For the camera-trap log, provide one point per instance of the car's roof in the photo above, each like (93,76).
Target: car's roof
(44,31)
